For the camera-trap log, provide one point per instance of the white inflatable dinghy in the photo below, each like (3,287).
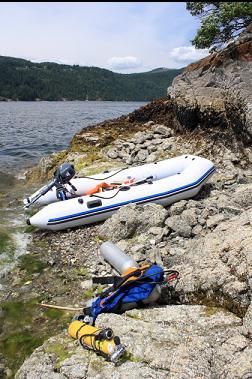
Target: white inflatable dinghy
(154,171)
(165,182)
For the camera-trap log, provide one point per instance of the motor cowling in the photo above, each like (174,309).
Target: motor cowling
(64,173)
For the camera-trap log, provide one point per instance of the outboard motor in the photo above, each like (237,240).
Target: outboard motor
(64,173)
(62,176)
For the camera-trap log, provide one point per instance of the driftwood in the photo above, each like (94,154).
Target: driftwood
(71,309)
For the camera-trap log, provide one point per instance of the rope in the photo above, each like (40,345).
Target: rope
(124,188)
(89,177)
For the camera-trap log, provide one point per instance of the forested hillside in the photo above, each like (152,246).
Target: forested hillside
(23,80)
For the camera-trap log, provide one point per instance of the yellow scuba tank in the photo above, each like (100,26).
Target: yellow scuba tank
(102,341)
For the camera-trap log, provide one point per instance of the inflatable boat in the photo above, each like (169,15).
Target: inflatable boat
(163,182)
(124,176)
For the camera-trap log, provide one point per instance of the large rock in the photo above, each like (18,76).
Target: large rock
(243,196)
(217,90)
(163,130)
(217,267)
(162,342)
(247,322)
(177,224)
(132,219)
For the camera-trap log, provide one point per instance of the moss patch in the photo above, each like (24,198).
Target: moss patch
(7,247)
(133,315)
(19,344)
(18,310)
(60,350)
(129,357)
(82,271)
(59,157)
(31,264)
(25,326)
(5,240)
(17,339)
(29,229)
(93,291)
(53,313)
(210,311)
(89,293)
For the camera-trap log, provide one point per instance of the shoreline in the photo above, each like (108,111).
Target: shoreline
(201,328)
(57,267)
(77,100)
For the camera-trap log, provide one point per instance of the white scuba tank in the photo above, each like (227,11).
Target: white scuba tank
(120,261)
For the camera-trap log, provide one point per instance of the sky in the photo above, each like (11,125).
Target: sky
(123,37)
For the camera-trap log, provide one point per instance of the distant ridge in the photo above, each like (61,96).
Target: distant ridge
(21,79)
(161,69)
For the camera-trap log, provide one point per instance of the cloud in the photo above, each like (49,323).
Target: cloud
(187,54)
(124,63)
(88,33)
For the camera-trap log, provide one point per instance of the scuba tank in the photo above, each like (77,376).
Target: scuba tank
(120,261)
(136,286)
(102,341)
(124,264)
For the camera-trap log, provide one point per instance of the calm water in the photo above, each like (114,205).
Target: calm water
(30,130)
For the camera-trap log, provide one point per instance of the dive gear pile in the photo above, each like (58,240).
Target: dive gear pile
(137,285)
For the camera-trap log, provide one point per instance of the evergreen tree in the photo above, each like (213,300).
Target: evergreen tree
(220,21)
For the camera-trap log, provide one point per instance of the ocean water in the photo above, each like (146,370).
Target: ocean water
(30,130)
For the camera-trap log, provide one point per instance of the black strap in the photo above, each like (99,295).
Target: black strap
(87,311)
(78,331)
(104,279)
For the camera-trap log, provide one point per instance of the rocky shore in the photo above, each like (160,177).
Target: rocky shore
(202,328)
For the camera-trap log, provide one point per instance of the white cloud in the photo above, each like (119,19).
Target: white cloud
(88,33)
(124,63)
(187,54)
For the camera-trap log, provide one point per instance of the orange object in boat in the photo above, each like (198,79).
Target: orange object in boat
(99,188)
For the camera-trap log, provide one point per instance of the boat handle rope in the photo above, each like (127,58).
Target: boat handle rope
(115,173)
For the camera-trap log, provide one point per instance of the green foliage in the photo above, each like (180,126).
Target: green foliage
(23,80)
(53,313)
(5,239)
(220,21)
(31,264)
(129,357)
(60,350)
(24,326)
